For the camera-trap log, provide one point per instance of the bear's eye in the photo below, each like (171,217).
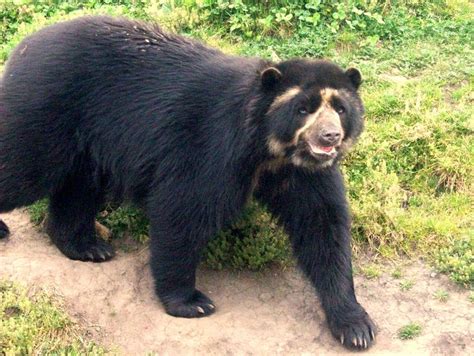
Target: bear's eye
(340,110)
(302,111)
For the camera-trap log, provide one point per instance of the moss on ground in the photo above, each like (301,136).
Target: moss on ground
(33,323)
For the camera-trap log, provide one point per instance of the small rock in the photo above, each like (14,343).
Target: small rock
(433,274)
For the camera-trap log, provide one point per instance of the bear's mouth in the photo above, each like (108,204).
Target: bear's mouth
(324,152)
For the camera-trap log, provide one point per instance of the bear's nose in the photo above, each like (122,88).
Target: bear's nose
(330,136)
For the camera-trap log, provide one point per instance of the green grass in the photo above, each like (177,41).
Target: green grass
(410,179)
(31,322)
(409,331)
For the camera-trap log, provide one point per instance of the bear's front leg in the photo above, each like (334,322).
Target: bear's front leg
(322,246)
(175,253)
(313,208)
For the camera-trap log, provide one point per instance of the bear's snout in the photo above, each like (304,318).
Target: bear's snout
(329,135)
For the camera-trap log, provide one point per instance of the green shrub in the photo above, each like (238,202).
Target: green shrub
(458,260)
(21,17)
(254,18)
(252,242)
(125,220)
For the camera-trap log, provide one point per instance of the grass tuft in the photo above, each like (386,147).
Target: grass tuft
(397,273)
(371,271)
(441,295)
(406,285)
(409,331)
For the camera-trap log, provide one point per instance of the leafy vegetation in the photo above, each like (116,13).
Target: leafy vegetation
(251,242)
(31,323)
(458,260)
(410,178)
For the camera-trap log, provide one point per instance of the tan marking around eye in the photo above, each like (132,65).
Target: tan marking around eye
(329,113)
(284,98)
(327,94)
(310,121)
(277,147)
(326,108)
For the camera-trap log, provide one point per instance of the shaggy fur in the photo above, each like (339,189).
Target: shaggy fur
(99,108)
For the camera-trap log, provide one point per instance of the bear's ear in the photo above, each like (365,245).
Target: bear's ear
(354,76)
(270,77)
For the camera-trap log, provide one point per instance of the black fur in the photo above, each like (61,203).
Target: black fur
(315,214)
(4,231)
(100,106)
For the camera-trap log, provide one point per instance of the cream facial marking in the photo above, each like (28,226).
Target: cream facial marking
(276,147)
(284,98)
(327,94)
(324,113)
(299,162)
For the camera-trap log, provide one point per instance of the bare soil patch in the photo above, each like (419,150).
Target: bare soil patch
(268,313)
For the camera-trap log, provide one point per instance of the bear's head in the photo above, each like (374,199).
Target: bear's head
(314,111)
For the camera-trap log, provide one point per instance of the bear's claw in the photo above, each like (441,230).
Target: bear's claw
(357,335)
(97,251)
(197,306)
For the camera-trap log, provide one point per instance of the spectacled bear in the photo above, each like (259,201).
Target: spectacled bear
(99,106)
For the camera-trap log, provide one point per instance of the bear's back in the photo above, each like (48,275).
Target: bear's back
(114,90)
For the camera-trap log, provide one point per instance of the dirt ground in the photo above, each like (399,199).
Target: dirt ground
(268,313)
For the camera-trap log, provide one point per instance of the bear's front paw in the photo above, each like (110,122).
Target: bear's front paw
(196,306)
(356,332)
(91,251)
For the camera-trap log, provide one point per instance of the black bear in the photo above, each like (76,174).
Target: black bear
(100,107)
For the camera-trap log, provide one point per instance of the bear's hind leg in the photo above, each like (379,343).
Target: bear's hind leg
(71,221)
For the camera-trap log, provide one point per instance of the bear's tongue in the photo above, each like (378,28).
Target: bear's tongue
(320,149)
(326,149)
